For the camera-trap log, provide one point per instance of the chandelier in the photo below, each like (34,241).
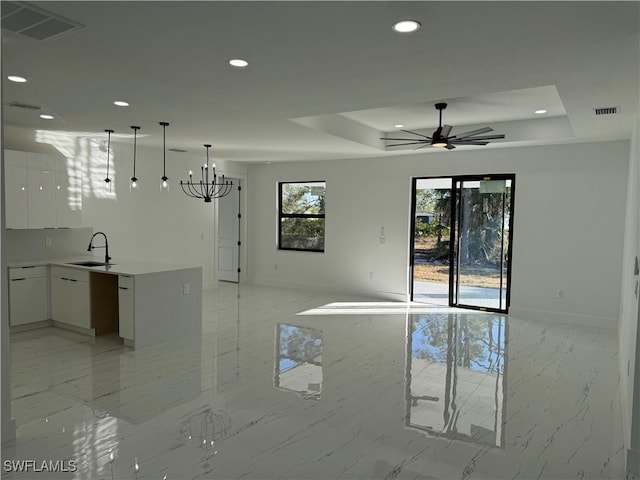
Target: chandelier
(209,186)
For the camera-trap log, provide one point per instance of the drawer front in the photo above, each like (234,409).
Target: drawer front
(28,300)
(125,281)
(70,273)
(27,272)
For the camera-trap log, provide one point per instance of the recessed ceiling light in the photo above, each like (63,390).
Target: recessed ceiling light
(121,103)
(399,125)
(46,116)
(540,111)
(238,62)
(406,26)
(17,79)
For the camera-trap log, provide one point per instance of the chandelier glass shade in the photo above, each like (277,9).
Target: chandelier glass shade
(210,186)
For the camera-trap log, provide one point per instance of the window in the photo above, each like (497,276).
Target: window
(301,216)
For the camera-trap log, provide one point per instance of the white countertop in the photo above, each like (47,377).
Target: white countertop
(117,266)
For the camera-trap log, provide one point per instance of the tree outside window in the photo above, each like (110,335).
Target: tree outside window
(301,219)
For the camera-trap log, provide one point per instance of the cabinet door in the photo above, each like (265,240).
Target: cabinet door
(15,184)
(70,302)
(27,300)
(41,190)
(80,304)
(126,316)
(68,193)
(60,300)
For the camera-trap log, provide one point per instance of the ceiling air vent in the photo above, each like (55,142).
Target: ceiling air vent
(606,110)
(34,22)
(177,150)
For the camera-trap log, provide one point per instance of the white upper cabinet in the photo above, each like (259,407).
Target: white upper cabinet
(15,183)
(68,202)
(38,192)
(41,181)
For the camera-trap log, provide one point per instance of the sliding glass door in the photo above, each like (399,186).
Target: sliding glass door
(477,214)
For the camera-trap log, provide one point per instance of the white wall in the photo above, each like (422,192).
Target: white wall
(629,310)
(568,230)
(31,244)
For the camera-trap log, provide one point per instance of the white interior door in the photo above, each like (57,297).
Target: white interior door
(229,235)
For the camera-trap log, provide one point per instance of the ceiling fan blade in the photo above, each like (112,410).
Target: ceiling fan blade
(474,132)
(450,146)
(482,137)
(402,139)
(422,146)
(416,133)
(446,130)
(471,142)
(408,143)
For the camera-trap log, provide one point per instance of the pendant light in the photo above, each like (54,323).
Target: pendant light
(107,180)
(209,186)
(133,185)
(164,184)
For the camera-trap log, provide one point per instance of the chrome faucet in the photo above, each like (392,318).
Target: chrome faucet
(105,246)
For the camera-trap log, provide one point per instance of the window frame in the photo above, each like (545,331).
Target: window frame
(282,215)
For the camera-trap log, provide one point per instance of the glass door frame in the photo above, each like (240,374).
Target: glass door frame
(453,249)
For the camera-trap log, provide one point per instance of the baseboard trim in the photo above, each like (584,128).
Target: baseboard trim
(72,328)
(361,292)
(562,317)
(25,327)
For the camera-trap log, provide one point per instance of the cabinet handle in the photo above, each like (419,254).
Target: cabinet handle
(72,279)
(123,288)
(17,279)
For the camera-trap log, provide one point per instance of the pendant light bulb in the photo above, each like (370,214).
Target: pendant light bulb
(107,180)
(133,185)
(164,185)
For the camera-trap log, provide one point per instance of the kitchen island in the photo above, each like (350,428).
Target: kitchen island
(147,303)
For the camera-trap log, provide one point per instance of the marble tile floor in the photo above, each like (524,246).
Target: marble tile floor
(289,384)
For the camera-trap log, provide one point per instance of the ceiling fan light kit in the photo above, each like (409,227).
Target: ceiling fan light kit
(440,138)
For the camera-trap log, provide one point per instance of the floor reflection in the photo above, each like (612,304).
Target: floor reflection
(395,391)
(455,384)
(298,365)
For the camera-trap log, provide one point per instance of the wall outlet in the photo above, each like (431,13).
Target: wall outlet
(48,242)
(560,294)
(370,275)
(186,290)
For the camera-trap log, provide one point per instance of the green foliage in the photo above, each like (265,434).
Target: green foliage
(433,229)
(481,227)
(305,233)
(302,233)
(305,198)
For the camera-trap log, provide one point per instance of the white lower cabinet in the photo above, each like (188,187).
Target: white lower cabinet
(28,295)
(70,297)
(126,306)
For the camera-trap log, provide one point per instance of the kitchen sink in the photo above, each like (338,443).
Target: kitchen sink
(89,263)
